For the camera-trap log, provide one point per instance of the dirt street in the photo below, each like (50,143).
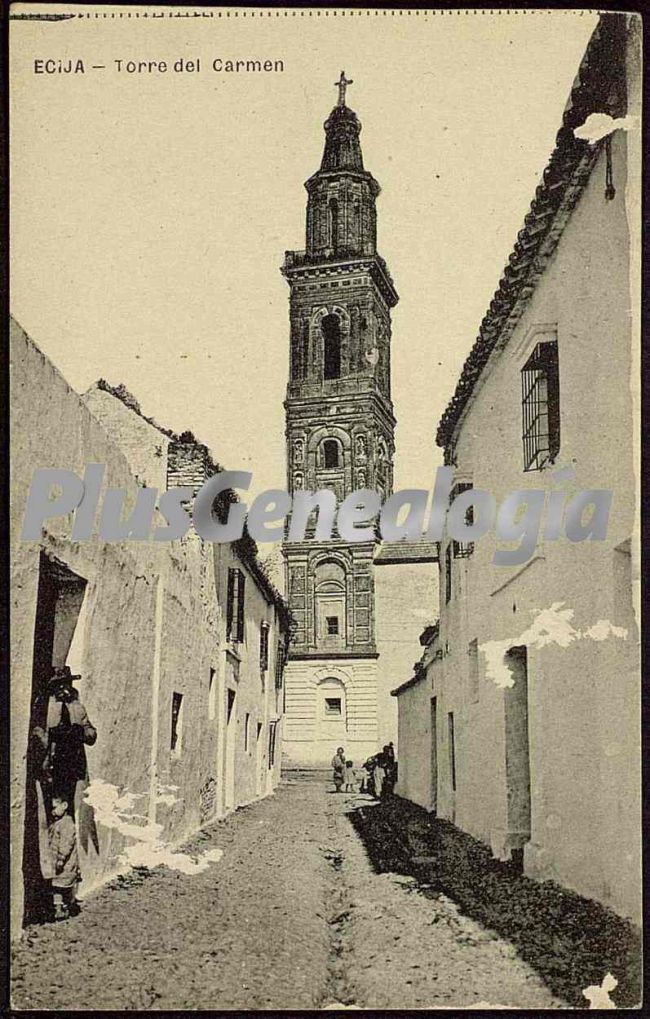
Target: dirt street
(293,916)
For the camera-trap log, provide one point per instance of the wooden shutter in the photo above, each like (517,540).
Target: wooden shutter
(230,604)
(264,647)
(241,582)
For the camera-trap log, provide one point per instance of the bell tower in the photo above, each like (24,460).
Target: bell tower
(339,434)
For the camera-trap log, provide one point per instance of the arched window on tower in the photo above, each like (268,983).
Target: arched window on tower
(331,453)
(331,330)
(333,209)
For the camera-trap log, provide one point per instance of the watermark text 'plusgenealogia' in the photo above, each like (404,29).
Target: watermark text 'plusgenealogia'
(275,515)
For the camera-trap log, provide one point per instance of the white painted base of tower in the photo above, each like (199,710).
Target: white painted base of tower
(313,724)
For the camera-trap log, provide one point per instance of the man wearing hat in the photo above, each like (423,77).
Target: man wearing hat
(68,729)
(63,772)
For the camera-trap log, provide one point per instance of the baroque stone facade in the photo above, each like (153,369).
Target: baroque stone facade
(339,434)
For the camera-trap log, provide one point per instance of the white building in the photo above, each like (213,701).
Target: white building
(522,725)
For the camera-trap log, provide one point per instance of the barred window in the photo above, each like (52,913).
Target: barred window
(279,665)
(462,550)
(540,402)
(272,732)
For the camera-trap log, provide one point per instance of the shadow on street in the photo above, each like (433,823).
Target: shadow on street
(571,942)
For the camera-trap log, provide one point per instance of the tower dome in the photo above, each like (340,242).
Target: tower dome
(342,147)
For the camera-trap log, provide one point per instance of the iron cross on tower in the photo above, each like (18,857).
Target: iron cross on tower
(343,83)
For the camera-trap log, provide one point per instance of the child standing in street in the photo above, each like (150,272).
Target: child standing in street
(63,846)
(350,777)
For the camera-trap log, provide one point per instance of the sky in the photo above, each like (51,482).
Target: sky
(150,212)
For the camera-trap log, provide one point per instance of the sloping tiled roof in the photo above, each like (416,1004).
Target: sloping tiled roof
(407,552)
(599,87)
(246,547)
(413,681)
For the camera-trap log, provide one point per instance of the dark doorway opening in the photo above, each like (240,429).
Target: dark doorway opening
(434,755)
(60,597)
(517,753)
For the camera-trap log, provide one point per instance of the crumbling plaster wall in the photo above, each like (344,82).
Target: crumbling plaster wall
(583,697)
(53,428)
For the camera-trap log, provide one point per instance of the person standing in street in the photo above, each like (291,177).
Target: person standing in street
(65,860)
(391,768)
(338,769)
(350,777)
(380,775)
(61,767)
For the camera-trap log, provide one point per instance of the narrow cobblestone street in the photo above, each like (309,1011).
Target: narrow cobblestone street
(293,916)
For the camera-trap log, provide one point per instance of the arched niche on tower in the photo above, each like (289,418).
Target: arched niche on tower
(300,348)
(383,468)
(331,597)
(337,477)
(331,710)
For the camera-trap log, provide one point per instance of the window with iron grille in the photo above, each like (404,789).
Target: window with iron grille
(463,549)
(272,728)
(279,666)
(235,605)
(264,647)
(540,403)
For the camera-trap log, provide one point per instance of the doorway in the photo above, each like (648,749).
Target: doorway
(259,761)
(434,756)
(59,601)
(517,752)
(231,743)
